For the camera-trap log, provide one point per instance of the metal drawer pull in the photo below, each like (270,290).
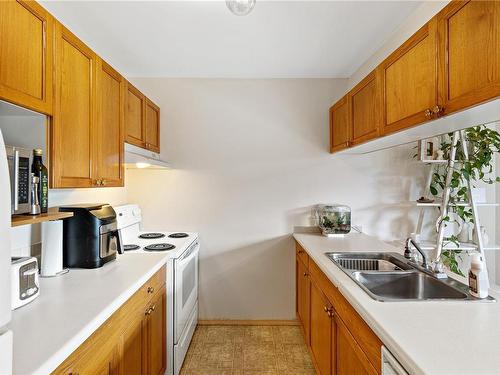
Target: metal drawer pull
(151,290)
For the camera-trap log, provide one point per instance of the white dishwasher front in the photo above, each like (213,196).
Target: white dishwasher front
(390,365)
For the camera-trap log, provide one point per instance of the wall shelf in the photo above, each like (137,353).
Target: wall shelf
(458,204)
(53,214)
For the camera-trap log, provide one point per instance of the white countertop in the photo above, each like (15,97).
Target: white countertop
(71,307)
(441,337)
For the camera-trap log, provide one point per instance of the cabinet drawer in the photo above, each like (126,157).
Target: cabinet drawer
(302,255)
(154,284)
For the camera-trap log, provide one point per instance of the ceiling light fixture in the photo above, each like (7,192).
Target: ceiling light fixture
(240,7)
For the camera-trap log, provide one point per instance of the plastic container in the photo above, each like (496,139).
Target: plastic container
(478,279)
(334,219)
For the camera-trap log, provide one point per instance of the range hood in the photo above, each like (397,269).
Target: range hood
(136,157)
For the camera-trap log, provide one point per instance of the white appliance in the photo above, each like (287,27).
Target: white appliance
(51,259)
(24,281)
(390,365)
(137,157)
(181,278)
(5,264)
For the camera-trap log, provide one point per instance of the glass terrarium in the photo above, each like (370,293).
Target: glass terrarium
(334,219)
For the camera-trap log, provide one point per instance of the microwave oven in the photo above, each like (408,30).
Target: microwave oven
(19,161)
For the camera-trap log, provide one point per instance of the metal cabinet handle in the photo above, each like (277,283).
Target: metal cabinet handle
(148,311)
(153,308)
(325,308)
(305,274)
(151,290)
(437,110)
(104,182)
(428,113)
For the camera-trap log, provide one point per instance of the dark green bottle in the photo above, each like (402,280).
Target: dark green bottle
(40,171)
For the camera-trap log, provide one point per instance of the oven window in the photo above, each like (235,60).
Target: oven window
(188,280)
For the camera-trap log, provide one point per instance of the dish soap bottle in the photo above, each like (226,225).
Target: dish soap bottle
(40,171)
(478,280)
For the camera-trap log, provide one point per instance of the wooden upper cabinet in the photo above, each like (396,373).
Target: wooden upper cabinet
(321,329)
(152,126)
(26,52)
(72,148)
(340,126)
(135,103)
(349,357)
(409,81)
(109,135)
(469,46)
(365,109)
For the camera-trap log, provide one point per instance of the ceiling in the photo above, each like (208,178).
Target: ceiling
(279,39)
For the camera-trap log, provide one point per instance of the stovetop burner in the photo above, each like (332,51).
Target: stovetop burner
(159,247)
(178,235)
(131,247)
(151,236)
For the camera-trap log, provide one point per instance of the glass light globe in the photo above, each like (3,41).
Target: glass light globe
(240,7)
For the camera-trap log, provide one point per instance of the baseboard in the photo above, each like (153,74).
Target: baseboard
(223,322)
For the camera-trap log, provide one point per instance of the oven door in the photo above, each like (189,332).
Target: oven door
(186,288)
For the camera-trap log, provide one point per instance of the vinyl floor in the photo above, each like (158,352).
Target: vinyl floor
(248,350)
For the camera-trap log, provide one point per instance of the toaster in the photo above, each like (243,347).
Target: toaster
(24,281)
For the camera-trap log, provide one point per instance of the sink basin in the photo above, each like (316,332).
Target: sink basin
(412,285)
(391,277)
(370,261)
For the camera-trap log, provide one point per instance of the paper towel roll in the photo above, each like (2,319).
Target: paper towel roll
(52,248)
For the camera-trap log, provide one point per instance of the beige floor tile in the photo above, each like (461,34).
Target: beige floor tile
(248,350)
(259,334)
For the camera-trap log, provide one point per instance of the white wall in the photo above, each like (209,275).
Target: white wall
(251,158)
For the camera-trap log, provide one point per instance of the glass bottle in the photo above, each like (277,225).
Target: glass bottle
(40,171)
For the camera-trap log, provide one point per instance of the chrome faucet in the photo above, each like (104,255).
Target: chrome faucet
(408,252)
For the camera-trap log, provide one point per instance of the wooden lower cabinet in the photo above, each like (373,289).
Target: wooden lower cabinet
(350,358)
(132,341)
(156,335)
(340,341)
(303,296)
(321,331)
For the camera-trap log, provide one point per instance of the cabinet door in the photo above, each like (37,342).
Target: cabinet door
(340,126)
(152,126)
(156,335)
(135,116)
(303,297)
(409,81)
(99,360)
(321,328)
(469,40)
(365,109)
(109,126)
(349,358)
(133,361)
(26,51)
(72,124)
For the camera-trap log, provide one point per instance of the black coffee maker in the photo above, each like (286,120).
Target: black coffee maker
(90,237)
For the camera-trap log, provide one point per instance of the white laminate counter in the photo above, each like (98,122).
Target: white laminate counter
(71,307)
(441,337)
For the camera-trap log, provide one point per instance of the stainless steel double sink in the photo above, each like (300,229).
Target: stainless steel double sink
(390,277)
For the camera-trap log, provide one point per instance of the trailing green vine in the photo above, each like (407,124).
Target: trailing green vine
(482,145)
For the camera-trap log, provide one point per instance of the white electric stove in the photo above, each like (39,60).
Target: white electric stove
(181,278)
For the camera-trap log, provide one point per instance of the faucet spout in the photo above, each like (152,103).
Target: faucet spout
(407,254)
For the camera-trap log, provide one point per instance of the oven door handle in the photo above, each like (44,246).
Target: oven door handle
(189,253)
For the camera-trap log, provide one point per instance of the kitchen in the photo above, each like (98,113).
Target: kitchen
(233,136)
